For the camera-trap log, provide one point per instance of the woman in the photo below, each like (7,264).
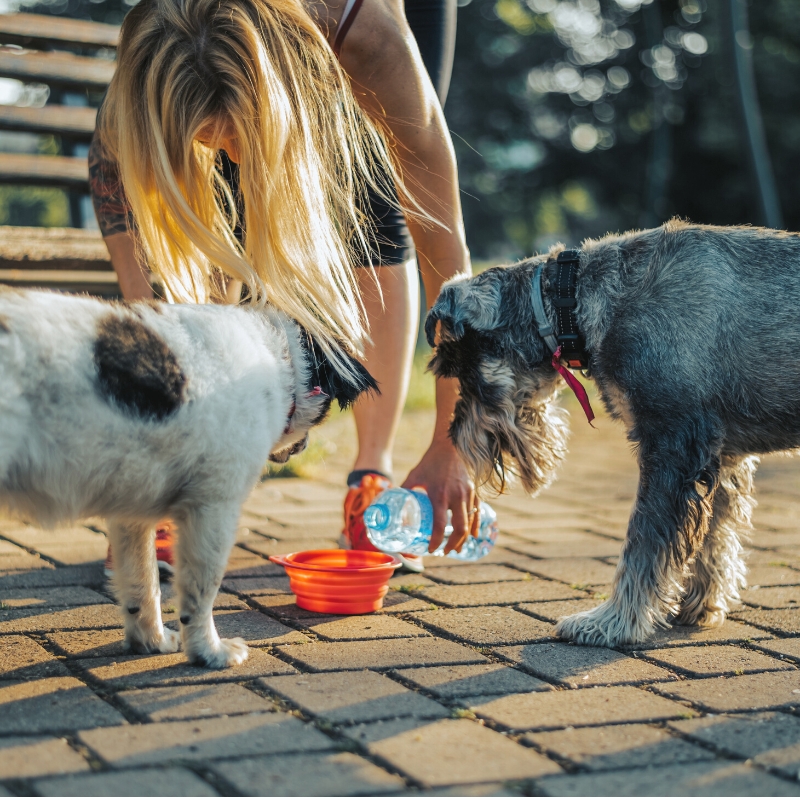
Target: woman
(326,109)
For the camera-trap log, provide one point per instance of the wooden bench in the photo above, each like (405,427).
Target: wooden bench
(69,56)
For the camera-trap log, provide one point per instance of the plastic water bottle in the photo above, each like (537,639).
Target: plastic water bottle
(401,521)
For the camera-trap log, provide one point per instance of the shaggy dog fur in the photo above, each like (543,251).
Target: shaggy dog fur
(693,335)
(141,412)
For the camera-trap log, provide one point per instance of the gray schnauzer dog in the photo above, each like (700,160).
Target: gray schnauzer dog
(141,412)
(691,334)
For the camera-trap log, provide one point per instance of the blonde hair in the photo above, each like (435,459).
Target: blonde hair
(263,70)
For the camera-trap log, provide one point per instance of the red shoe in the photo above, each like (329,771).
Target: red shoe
(164,554)
(354,536)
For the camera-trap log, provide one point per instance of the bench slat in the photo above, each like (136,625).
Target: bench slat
(71,121)
(36,277)
(99,284)
(32,170)
(42,28)
(57,69)
(65,249)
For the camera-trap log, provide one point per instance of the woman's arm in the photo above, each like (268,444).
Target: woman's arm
(391,83)
(113,217)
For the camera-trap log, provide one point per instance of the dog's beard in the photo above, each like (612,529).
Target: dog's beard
(526,441)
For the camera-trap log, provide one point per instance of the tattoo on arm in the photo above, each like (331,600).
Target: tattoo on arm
(108,196)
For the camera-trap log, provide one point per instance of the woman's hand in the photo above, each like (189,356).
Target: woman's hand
(442,474)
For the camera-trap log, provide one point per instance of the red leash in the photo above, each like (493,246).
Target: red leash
(574,384)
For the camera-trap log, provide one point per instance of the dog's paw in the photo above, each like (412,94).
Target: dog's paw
(168,642)
(229,653)
(703,617)
(603,626)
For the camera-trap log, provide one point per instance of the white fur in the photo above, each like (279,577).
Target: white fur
(68,452)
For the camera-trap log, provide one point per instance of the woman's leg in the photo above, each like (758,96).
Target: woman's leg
(393,323)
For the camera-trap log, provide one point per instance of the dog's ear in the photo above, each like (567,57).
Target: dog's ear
(323,373)
(444,311)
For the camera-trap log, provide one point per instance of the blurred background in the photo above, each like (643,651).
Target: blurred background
(572,118)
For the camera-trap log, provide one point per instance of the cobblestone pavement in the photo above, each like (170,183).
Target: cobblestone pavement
(455,688)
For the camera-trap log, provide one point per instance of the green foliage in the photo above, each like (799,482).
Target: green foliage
(422,388)
(561,137)
(36,206)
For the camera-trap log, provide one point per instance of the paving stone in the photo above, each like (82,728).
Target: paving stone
(21,658)
(193,702)
(511,789)
(133,672)
(475,573)
(88,644)
(472,680)
(17,558)
(591,547)
(730,632)
(486,626)
(740,692)
(721,659)
(617,746)
(52,704)
(370,626)
(349,698)
(405,582)
(783,621)
(313,774)
(399,603)
(492,594)
(255,628)
(435,755)
(244,564)
(580,707)
(782,647)
(555,610)
(256,586)
(290,536)
(268,547)
(48,575)
(567,528)
(24,620)
(222,602)
(52,597)
(34,756)
(330,656)
(168,782)
(572,571)
(204,739)
(774,573)
(283,607)
(576,666)
(770,739)
(703,779)
(35,538)
(772,597)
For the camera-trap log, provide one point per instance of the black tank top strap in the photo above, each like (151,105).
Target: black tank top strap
(348,17)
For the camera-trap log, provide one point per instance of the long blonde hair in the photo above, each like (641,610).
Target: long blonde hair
(306,153)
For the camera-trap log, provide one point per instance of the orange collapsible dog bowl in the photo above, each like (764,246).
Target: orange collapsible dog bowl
(339,581)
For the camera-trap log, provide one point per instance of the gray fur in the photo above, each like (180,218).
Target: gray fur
(693,336)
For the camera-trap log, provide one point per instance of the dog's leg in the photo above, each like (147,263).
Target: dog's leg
(205,538)
(718,573)
(137,588)
(678,476)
